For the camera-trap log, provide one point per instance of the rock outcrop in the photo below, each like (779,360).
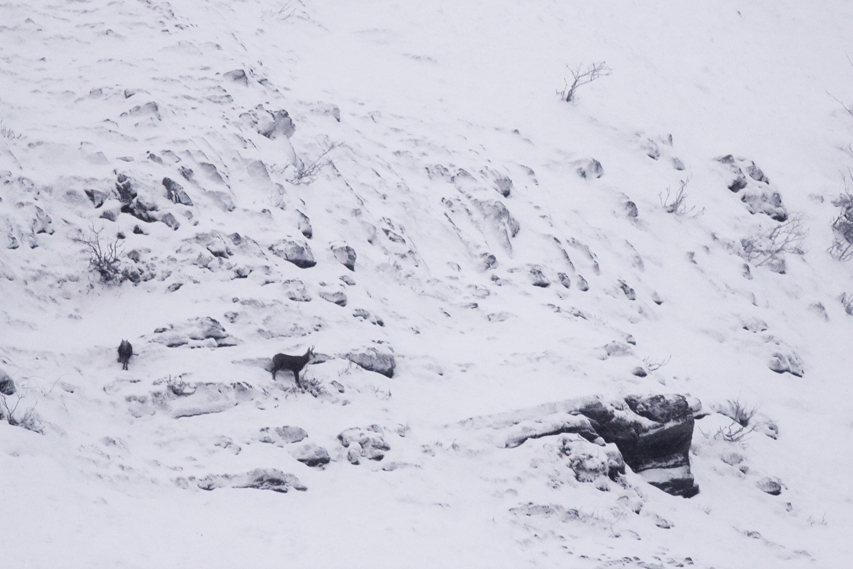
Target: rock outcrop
(374,360)
(651,435)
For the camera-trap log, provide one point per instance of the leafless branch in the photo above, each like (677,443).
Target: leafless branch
(305,174)
(582,76)
(678,204)
(653,365)
(842,226)
(783,238)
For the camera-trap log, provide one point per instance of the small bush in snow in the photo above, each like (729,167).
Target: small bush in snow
(842,227)
(742,425)
(9,411)
(581,76)
(305,174)
(677,204)
(105,257)
(771,245)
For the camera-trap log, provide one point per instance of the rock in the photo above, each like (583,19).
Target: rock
(237,76)
(776,264)
(282,125)
(629,292)
(582,284)
(42,222)
(590,169)
(761,200)
(791,363)
(110,214)
(631,210)
(97,197)
(504,186)
(125,190)
(770,485)
(640,372)
(345,255)
(295,291)
(311,455)
(296,252)
(652,435)
(650,147)
(755,173)
(7,386)
(198,332)
(489,261)
(617,349)
(677,164)
(288,434)
(175,192)
(366,443)
(738,183)
(820,310)
(732,458)
(260,478)
(305,225)
(140,210)
(169,220)
(565,280)
(590,461)
(538,278)
(271,124)
(337,297)
(557,424)
(372,360)
(500,221)
(654,439)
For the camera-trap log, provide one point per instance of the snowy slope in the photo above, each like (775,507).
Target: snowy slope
(429,139)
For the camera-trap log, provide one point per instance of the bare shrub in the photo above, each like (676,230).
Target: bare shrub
(842,226)
(286,10)
(28,419)
(742,424)
(105,257)
(771,245)
(734,433)
(305,174)
(677,204)
(740,413)
(654,365)
(581,76)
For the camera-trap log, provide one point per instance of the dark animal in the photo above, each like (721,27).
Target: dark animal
(125,350)
(295,364)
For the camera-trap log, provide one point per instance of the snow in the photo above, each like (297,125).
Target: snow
(409,119)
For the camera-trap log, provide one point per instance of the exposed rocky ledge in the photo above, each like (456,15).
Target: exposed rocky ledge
(652,434)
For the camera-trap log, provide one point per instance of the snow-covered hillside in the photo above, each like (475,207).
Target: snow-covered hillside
(500,286)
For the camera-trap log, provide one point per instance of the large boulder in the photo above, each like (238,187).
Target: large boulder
(373,360)
(650,434)
(297,252)
(345,255)
(654,435)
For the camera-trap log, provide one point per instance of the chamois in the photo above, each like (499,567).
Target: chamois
(125,350)
(291,363)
